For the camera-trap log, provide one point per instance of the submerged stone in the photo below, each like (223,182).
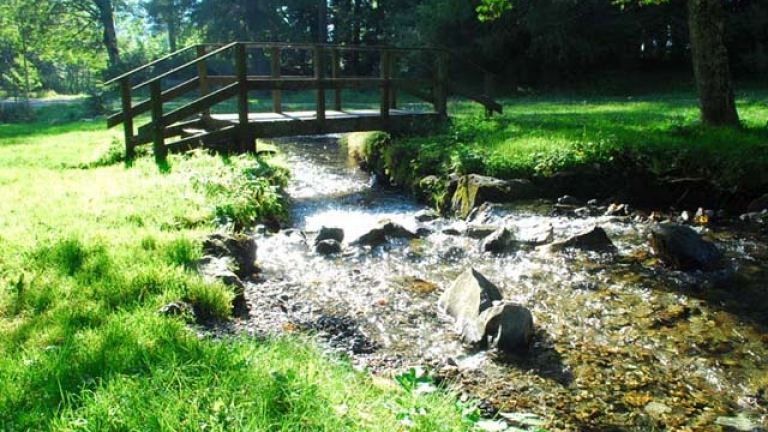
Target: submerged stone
(595,240)
(683,248)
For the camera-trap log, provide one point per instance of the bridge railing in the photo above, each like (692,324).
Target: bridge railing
(328,72)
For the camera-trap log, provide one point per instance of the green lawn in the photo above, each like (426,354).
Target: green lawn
(540,135)
(90,249)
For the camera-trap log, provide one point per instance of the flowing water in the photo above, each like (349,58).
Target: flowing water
(622,343)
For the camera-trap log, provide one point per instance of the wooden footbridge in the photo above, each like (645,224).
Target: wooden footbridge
(181,98)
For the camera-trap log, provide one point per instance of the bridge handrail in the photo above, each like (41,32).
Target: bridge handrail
(186,65)
(148,65)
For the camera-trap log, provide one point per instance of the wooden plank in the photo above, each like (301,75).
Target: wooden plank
(200,104)
(241,68)
(441,84)
(146,105)
(320,89)
(145,134)
(385,67)
(277,95)
(202,75)
(488,103)
(157,115)
(335,70)
(196,141)
(185,65)
(132,72)
(125,96)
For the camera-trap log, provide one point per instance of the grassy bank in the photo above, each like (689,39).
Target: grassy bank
(90,249)
(655,137)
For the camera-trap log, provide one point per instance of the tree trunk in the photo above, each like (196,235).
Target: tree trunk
(107,21)
(706,22)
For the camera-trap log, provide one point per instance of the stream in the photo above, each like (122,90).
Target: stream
(621,342)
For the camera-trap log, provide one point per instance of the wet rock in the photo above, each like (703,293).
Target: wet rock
(175,309)
(755,217)
(426,215)
(683,248)
(487,213)
(414,284)
(219,269)
(479,232)
(329,233)
(451,231)
(569,200)
(595,240)
(340,332)
(759,204)
(498,241)
(469,295)
(422,232)
(618,210)
(380,235)
(473,190)
(507,327)
(328,247)
(241,248)
(537,236)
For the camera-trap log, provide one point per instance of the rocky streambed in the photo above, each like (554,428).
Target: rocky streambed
(621,340)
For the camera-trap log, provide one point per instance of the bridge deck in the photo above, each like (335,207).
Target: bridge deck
(347,114)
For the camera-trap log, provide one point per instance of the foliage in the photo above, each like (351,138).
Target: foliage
(88,257)
(246,191)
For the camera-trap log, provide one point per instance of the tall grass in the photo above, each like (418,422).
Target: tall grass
(89,251)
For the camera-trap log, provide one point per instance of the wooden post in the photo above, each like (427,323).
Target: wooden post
(156,101)
(241,70)
(335,68)
(320,94)
(384,69)
(202,75)
(392,88)
(441,83)
(488,91)
(125,93)
(277,95)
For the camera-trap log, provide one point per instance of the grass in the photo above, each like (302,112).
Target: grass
(90,249)
(538,136)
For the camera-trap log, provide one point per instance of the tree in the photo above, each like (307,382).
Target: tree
(709,55)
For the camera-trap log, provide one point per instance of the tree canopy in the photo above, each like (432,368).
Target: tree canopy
(69,46)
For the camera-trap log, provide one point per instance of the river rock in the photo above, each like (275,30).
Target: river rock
(473,190)
(755,217)
(569,200)
(329,233)
(241,248)
(487,213)
(758,204)
(595,240)
(426,215)
(479,232)
(328,247)
(380,235)
(683,248)
(498,241)
(469,295)
(537,236)
(507,327)
(219,269)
